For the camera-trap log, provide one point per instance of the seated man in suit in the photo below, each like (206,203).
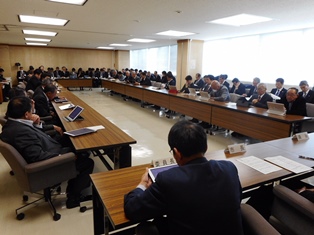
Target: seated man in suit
(34,81)
(294,103)
(198,196)
(238,87)
(279,90)
(34,145)
(188,84)
(222,79)
(170,81)
(43,103)
(261,98)
(253,89)
(21,74)
(219,92)
(199,82)
(307,94)
(6,86)
(145,81)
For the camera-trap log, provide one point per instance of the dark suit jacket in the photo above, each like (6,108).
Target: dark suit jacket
(253,91)
(33,144)
(172,82)
(146,82)
(33,83)
(226,84)
(263,102)
(240,91)
(201,197)
(309,98)
(199,83)
(298,106)
(282,92)
(42,105)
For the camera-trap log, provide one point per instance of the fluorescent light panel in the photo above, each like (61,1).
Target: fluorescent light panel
(120,45)
(36,44)
(174,33)
(74,2)
(141,40)
(42,20)
(106,48)
(241,19)
(38,39)
(41,33)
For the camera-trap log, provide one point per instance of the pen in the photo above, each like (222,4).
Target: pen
(308,158)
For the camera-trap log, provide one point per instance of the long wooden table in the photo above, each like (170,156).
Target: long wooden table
(111,138)
(77,82)
(109,188)
(249,121)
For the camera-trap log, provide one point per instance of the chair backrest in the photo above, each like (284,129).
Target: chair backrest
(310,109)
(291,212)
(36,176)
(17,164)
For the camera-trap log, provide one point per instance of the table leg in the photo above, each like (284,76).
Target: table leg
(98,213)
(122,157)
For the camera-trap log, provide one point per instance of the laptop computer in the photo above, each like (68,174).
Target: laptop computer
(276,108)
(74,113)
(204,95)
(192,91)
(78,132)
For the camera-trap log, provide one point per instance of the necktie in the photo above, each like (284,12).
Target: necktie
(304,94)
(259,98)
(277,92)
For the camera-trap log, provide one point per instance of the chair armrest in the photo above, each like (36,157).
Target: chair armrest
(295,200)
(51,162)
(254,223)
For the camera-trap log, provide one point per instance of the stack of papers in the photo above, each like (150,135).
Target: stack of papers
(273,164)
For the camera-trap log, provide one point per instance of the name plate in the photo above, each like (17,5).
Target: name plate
(301,136)
(237,148)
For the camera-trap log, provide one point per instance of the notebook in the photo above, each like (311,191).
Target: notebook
(204,95)
(153,172)
(276,108)
(79,132)
(74,113)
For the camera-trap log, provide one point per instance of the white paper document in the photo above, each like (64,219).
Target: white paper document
(96,128)
(259,164)
(288,164)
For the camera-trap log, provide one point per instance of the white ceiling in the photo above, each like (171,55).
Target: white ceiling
(101,22)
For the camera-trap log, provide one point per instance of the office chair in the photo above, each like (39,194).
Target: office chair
(308,126)
(38,176)
(292,214)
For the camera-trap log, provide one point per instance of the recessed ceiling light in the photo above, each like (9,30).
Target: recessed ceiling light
(239,20)
(75,2)
(120,45)
(38,39)
(42,20)
(36,44)
(141,40)
(106,48)
(41,33)
(175,33)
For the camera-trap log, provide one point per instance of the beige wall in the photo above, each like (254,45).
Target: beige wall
(52,57)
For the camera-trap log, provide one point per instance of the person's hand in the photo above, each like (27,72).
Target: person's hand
(35,118)
(146,180)
(58,129)
(254,101)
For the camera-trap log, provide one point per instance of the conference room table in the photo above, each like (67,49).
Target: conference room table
(109,188)
(250,121)
(75,82)
(110,141)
